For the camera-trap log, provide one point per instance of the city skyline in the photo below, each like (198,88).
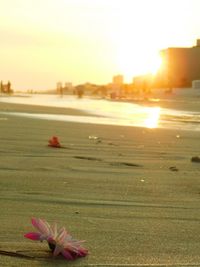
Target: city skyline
(78,41)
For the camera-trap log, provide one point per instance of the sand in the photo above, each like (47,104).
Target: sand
(118,192)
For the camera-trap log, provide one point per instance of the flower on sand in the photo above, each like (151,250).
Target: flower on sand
(60,241)
(54,142)
(45,230)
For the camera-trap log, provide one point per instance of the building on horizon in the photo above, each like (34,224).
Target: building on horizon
(118,80)
(180,67)
(143,83)
(6,88)
(64,88)
(117,86)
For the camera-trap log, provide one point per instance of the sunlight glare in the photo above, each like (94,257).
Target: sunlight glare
(137,63)
(153,115)
(156,64)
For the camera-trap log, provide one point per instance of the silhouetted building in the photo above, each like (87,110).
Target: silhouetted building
(118,80)
(117,86)
(180,67)
(6,88)
(143,83)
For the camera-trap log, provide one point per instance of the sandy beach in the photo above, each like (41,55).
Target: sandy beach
(132,193)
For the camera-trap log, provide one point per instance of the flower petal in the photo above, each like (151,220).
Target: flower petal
(33,236)
(54,230)
(67,254)
(58,249)
(41,225)
(82,252)
(61,236)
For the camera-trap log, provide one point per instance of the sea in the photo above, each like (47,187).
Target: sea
(109,112)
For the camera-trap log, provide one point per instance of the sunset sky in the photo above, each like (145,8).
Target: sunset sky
(78,41)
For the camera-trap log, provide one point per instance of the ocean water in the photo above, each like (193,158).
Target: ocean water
(108,112)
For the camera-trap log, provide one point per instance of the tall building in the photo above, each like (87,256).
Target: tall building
(118,80)
(180,66)
(116,87)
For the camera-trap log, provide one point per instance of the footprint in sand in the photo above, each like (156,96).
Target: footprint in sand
(173,169)
(88,158)
(125,164)
(111,163)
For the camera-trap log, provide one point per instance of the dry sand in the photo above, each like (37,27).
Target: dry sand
(116,192)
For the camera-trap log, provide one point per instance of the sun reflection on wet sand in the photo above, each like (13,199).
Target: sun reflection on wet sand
(108,112)
(153,115)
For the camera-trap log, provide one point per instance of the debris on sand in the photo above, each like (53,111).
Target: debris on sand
(195,159)
(173,169)
(54,142)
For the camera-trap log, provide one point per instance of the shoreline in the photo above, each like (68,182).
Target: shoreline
(151,116)
(12,107)
(184,99)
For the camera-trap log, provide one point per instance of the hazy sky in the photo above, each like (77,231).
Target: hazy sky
(46,41)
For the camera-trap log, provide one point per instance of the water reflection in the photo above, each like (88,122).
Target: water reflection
(109,112)
(153,115)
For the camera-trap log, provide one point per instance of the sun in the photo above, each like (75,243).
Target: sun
(134,62)
(136,43)
(155,63)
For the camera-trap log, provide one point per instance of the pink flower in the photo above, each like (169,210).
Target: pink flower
(45,230)
(60,241)
(67,246)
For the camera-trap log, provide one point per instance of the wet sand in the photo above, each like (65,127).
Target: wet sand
(111,186)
